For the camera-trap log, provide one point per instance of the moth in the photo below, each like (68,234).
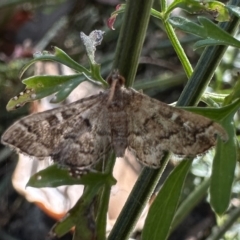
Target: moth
(118,118)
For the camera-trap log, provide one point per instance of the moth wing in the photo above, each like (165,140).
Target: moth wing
(155,128)
(73,134)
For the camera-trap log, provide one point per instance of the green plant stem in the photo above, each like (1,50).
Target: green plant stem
(129,46)
(219,232)
(131,38)
(104,201)
(178,49)
(190,202)
(175,43)
(163,4)
(136,202)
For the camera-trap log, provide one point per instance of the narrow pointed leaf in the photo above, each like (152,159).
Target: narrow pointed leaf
(208,42)
(161,213)
(58,56)
(207,30)
(38,87)
(224,164)
(216,114)
(188,26)
(55,176)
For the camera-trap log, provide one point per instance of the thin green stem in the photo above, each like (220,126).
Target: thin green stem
(104,201)
(178,49)
(174,41)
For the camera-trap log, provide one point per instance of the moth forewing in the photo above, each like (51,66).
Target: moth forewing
(80,133)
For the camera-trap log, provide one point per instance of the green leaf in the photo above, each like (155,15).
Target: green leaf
(162,211)
(38,87)
(42,86)
(58,56)
(190,6)
(224,163)
(55,176)
(207,42)
(217,9)
(213,33)
(216,114)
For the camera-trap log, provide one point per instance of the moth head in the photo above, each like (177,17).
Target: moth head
(115,79)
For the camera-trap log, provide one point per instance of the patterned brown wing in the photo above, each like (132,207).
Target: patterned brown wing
(75,134)
(155,128)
